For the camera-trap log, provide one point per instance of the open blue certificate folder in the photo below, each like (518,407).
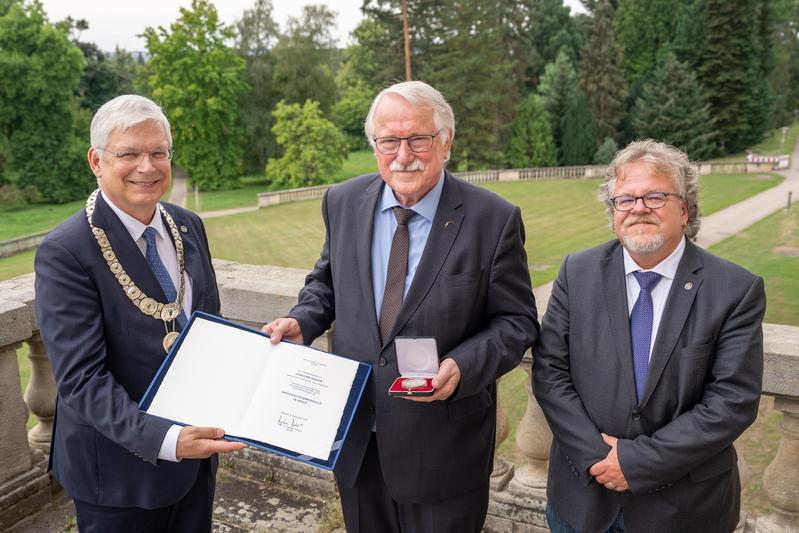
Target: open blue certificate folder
(285,398)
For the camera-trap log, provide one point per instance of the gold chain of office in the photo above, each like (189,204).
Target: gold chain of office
(159,311)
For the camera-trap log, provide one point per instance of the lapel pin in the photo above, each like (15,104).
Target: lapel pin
(689,286)
(184,229)
(447,223)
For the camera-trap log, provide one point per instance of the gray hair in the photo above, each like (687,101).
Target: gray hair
(664,160)
(419,94)
(121,114)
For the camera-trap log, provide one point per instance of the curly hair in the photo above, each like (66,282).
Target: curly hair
(664,160)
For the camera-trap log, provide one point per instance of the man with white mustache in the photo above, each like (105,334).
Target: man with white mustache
(650,363)
(418,464)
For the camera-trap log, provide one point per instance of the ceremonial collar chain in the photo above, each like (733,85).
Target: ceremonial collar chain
(166,312)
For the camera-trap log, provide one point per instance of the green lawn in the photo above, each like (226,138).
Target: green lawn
(560,216)
(19,221)
(770,145)
(770,248)
(357,163)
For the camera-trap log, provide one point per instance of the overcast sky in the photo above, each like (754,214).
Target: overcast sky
(115,22)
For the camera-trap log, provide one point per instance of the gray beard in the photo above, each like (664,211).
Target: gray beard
(639,244)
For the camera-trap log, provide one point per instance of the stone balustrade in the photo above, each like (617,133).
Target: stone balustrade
(254,295)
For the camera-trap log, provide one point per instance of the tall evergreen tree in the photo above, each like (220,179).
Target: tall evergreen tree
(531,143)
(600,74)
(471,68)
(732,72)
(579,131)
(673,109)
(197,79)
(645,31)
(784,77)
(557,89)
(304,58)
(257,34)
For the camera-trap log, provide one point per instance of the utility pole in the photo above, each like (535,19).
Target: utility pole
(407,40)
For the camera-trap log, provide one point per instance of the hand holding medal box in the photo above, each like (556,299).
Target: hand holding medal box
(417,360)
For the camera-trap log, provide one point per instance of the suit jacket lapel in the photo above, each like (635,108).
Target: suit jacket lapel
(363,247)
(127,251)
(445,228)
(612,269)
(678,306)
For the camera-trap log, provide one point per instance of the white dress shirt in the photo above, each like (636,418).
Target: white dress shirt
(169,256)
(666,268)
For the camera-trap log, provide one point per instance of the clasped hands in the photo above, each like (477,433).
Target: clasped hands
(445,382)
(607,472)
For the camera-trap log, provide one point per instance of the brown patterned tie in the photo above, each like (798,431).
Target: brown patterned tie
(397,269)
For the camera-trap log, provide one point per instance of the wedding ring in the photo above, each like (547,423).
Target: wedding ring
(609,485)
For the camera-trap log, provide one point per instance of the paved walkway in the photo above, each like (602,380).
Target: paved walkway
(180,187)
(722,224)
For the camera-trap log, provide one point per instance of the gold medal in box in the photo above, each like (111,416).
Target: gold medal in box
(417,361)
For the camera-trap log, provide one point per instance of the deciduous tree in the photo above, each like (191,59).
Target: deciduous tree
(313,149)
(196,77)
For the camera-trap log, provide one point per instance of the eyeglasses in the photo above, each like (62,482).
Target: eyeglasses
(652,200)
(135,157)
(417,143)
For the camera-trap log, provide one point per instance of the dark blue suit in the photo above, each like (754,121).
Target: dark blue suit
(104,353)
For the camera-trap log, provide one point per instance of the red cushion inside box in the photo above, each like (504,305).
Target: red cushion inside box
(397,387)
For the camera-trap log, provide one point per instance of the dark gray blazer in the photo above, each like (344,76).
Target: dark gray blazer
(471,291)
(702,391)
(104,354)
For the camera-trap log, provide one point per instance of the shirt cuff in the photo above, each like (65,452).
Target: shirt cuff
(169,448)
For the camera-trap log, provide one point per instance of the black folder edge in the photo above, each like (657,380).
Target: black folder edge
(358,385)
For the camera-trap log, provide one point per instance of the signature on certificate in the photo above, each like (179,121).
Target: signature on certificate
(291,423)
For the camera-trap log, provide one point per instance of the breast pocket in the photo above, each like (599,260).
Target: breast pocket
(465,279)
(695,362)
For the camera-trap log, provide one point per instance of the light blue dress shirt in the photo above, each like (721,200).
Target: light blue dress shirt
(383,233)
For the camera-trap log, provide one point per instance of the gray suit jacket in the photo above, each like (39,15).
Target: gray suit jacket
(702,391)
(471,291)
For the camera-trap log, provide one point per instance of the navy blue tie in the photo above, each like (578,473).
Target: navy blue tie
(641,327)
(161,273)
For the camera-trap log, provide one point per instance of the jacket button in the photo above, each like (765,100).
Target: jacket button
(382,361)
(636,416)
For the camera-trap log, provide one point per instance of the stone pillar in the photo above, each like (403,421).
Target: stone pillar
(40,395)
(745,473)
(534,438)
(503,470)
(15,455)
(781,478)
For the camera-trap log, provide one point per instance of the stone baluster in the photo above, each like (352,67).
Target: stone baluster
(781,478)
(503,470)
(40,395)
(15,455)
(533,438)
(745,473)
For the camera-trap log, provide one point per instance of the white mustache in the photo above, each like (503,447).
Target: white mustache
(413,166)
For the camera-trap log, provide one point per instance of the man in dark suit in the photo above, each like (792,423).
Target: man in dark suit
(650,363)
(113,284)
(419,464)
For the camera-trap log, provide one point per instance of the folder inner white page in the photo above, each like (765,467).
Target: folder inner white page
(213,377)
(284,395)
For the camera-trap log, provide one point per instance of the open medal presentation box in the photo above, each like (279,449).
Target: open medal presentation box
(286,398)
(417,361)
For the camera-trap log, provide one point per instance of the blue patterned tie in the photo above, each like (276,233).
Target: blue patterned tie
(641,327)
(161,274)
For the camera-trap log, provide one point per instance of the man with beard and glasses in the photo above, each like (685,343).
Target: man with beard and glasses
(650,363)
(412,251)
